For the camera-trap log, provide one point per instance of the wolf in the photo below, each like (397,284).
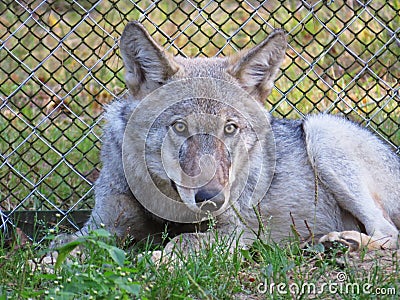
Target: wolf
(328,177)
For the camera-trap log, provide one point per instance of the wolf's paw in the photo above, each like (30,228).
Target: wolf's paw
(44,263)
(355,241)
(174,251)
(158,258)
(61,240)
(153,256)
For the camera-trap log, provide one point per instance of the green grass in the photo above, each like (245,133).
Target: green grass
(102,270)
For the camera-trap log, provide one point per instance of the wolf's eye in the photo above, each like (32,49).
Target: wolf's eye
(179,127)
(230,128)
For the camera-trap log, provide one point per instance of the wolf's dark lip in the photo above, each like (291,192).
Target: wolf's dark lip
(173,185)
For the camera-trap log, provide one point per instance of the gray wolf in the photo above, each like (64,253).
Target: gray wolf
(328,172)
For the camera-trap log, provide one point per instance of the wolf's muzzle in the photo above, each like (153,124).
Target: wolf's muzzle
(204,195)
(209,199)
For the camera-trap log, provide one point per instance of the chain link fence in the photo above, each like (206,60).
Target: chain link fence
(60,65)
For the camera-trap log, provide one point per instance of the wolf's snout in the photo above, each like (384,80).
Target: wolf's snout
(205,195)
(209,199)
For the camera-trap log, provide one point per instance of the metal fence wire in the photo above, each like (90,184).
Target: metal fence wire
(60,64)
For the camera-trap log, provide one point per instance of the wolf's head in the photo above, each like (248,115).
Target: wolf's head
(197,147)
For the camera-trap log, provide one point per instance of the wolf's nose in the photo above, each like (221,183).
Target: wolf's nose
(204,195)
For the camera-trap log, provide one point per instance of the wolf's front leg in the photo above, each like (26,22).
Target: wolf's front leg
(118,213)
(122,215)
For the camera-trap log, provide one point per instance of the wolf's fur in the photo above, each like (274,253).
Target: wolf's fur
(356,175)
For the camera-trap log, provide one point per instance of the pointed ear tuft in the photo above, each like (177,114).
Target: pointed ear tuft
(257,68)
(147,66)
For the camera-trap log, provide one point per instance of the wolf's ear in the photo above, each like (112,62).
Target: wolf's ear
(147,66)
(257,68)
